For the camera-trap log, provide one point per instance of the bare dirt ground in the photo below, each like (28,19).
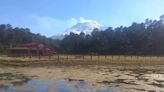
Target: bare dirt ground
(82,78)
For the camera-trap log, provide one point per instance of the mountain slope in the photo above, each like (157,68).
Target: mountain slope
(86,28)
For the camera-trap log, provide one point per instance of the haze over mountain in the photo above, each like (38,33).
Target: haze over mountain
(86,27)
(52,17)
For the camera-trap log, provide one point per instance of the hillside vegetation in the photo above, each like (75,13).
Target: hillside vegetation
(10,36)
(145,38)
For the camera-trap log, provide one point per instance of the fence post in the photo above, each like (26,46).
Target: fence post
(98,58)
(119,57)
(131,57)
(49,57)
(137,57)
(24,56)
(158,57)
(112,57)
(67,57)
(83,57)
(39,56)
(30,56)
(58,57)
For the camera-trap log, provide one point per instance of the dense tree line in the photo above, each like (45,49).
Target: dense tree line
(138,39)
(145,38)
(16,36)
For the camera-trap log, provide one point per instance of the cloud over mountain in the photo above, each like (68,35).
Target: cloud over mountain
(86,27)
(82,25)
(49,25)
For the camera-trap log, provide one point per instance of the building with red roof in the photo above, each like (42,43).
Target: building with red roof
(31,49)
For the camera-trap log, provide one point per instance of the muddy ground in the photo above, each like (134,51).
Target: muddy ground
(82,78)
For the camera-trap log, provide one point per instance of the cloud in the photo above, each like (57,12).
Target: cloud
(74,21)
(83,20)
(45,25)
(48,22)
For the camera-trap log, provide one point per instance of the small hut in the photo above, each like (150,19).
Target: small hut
(31,49)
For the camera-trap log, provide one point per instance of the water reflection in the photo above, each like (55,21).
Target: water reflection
(82,79)
(63,86)
(52,86)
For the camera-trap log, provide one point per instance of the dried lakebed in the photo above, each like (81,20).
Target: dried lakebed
(82,78)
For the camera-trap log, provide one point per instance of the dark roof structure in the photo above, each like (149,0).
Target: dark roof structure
(31,49)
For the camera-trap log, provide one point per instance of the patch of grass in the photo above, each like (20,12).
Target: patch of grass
(157,85)
(118,81)
(87,60)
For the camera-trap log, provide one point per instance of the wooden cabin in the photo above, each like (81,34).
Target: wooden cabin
(31,49)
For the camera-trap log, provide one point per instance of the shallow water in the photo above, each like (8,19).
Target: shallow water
(91,78)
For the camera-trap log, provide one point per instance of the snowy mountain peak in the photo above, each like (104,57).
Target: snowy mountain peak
(86,27)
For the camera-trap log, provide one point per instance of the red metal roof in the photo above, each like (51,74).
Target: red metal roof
(22,48)
(30,44)
(18,48)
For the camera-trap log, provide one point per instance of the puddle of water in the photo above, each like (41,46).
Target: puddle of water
(82,79)
(52,86)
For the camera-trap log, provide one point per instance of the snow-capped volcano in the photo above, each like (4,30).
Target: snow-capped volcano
(86,27)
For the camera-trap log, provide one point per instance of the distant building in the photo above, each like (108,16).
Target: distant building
(31,49)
